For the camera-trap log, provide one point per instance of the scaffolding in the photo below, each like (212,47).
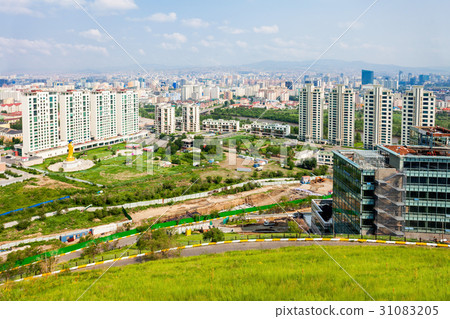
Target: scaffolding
(369,159)
(389,203)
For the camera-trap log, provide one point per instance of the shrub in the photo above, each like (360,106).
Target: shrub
(23,224)
(294,228)
(156,240)
(214,235)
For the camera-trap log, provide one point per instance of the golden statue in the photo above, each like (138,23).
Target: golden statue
(70,157)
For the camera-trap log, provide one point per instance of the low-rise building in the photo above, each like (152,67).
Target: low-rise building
(325,158)
(220,126)
(9,133)
(270,129)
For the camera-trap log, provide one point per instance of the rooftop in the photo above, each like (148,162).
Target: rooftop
(418,150)
(436,131)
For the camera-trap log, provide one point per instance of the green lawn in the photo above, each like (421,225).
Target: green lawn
(292,273)
(60,223)
(27,193)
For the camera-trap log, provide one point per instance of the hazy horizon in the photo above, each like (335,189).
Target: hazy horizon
(59,36)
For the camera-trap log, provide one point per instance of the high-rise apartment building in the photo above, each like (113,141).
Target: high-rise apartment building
(377,117)
(366,77)
(165,118)
(186,92)
(215,93)
(40,121)
(75,116)
(310,113)
(103,114)
(127,112)
(341,116)
(418,110)
(191,117)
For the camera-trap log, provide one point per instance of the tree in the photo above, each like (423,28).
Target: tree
(48,264)
(16,125)
(309,163)
(358,137)
(290,164)
(214,235)
(294,228)
(156,240)
(322,170)
(92,250)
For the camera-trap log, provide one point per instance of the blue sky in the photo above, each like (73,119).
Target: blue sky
(56,35)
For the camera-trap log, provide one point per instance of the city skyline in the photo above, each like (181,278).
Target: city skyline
(59,36)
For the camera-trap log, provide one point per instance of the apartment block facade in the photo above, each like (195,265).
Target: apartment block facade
(341,116)
(165,118)
(103,114)
(310,113)
(191,118)
(75,116)
(377,117)
(51,119)
(40,121)
(418,109)
(127,112)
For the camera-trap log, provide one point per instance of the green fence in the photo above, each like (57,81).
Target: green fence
(183,221)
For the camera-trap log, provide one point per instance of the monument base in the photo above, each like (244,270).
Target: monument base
(71,166)
(68,166)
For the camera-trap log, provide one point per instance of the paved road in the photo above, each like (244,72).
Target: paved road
(24,176)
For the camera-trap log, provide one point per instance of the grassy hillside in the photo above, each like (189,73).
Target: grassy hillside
(292,273)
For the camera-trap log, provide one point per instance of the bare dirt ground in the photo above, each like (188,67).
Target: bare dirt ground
(257,197)
(321,188)
(232,161)
(44,181)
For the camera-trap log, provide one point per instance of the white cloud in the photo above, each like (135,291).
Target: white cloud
(195,23)
(25,46)
(93,34)
(267,29)
(176,37)
(148,29)
(231,30)
(194,49)
(114,5)
(241,44)
(159,17)
(285,43)
(141,52)
(209,42)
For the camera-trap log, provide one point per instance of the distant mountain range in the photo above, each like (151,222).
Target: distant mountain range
(330,66)
(321,66)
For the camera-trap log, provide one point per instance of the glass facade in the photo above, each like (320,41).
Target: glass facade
(427,194)
(353,196)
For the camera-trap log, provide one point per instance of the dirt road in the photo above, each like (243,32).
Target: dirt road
(256,197)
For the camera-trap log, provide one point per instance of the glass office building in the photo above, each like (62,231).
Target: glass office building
(353,190)
(427,200)
(395,190)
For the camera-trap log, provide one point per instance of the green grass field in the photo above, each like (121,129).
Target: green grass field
(292,273)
